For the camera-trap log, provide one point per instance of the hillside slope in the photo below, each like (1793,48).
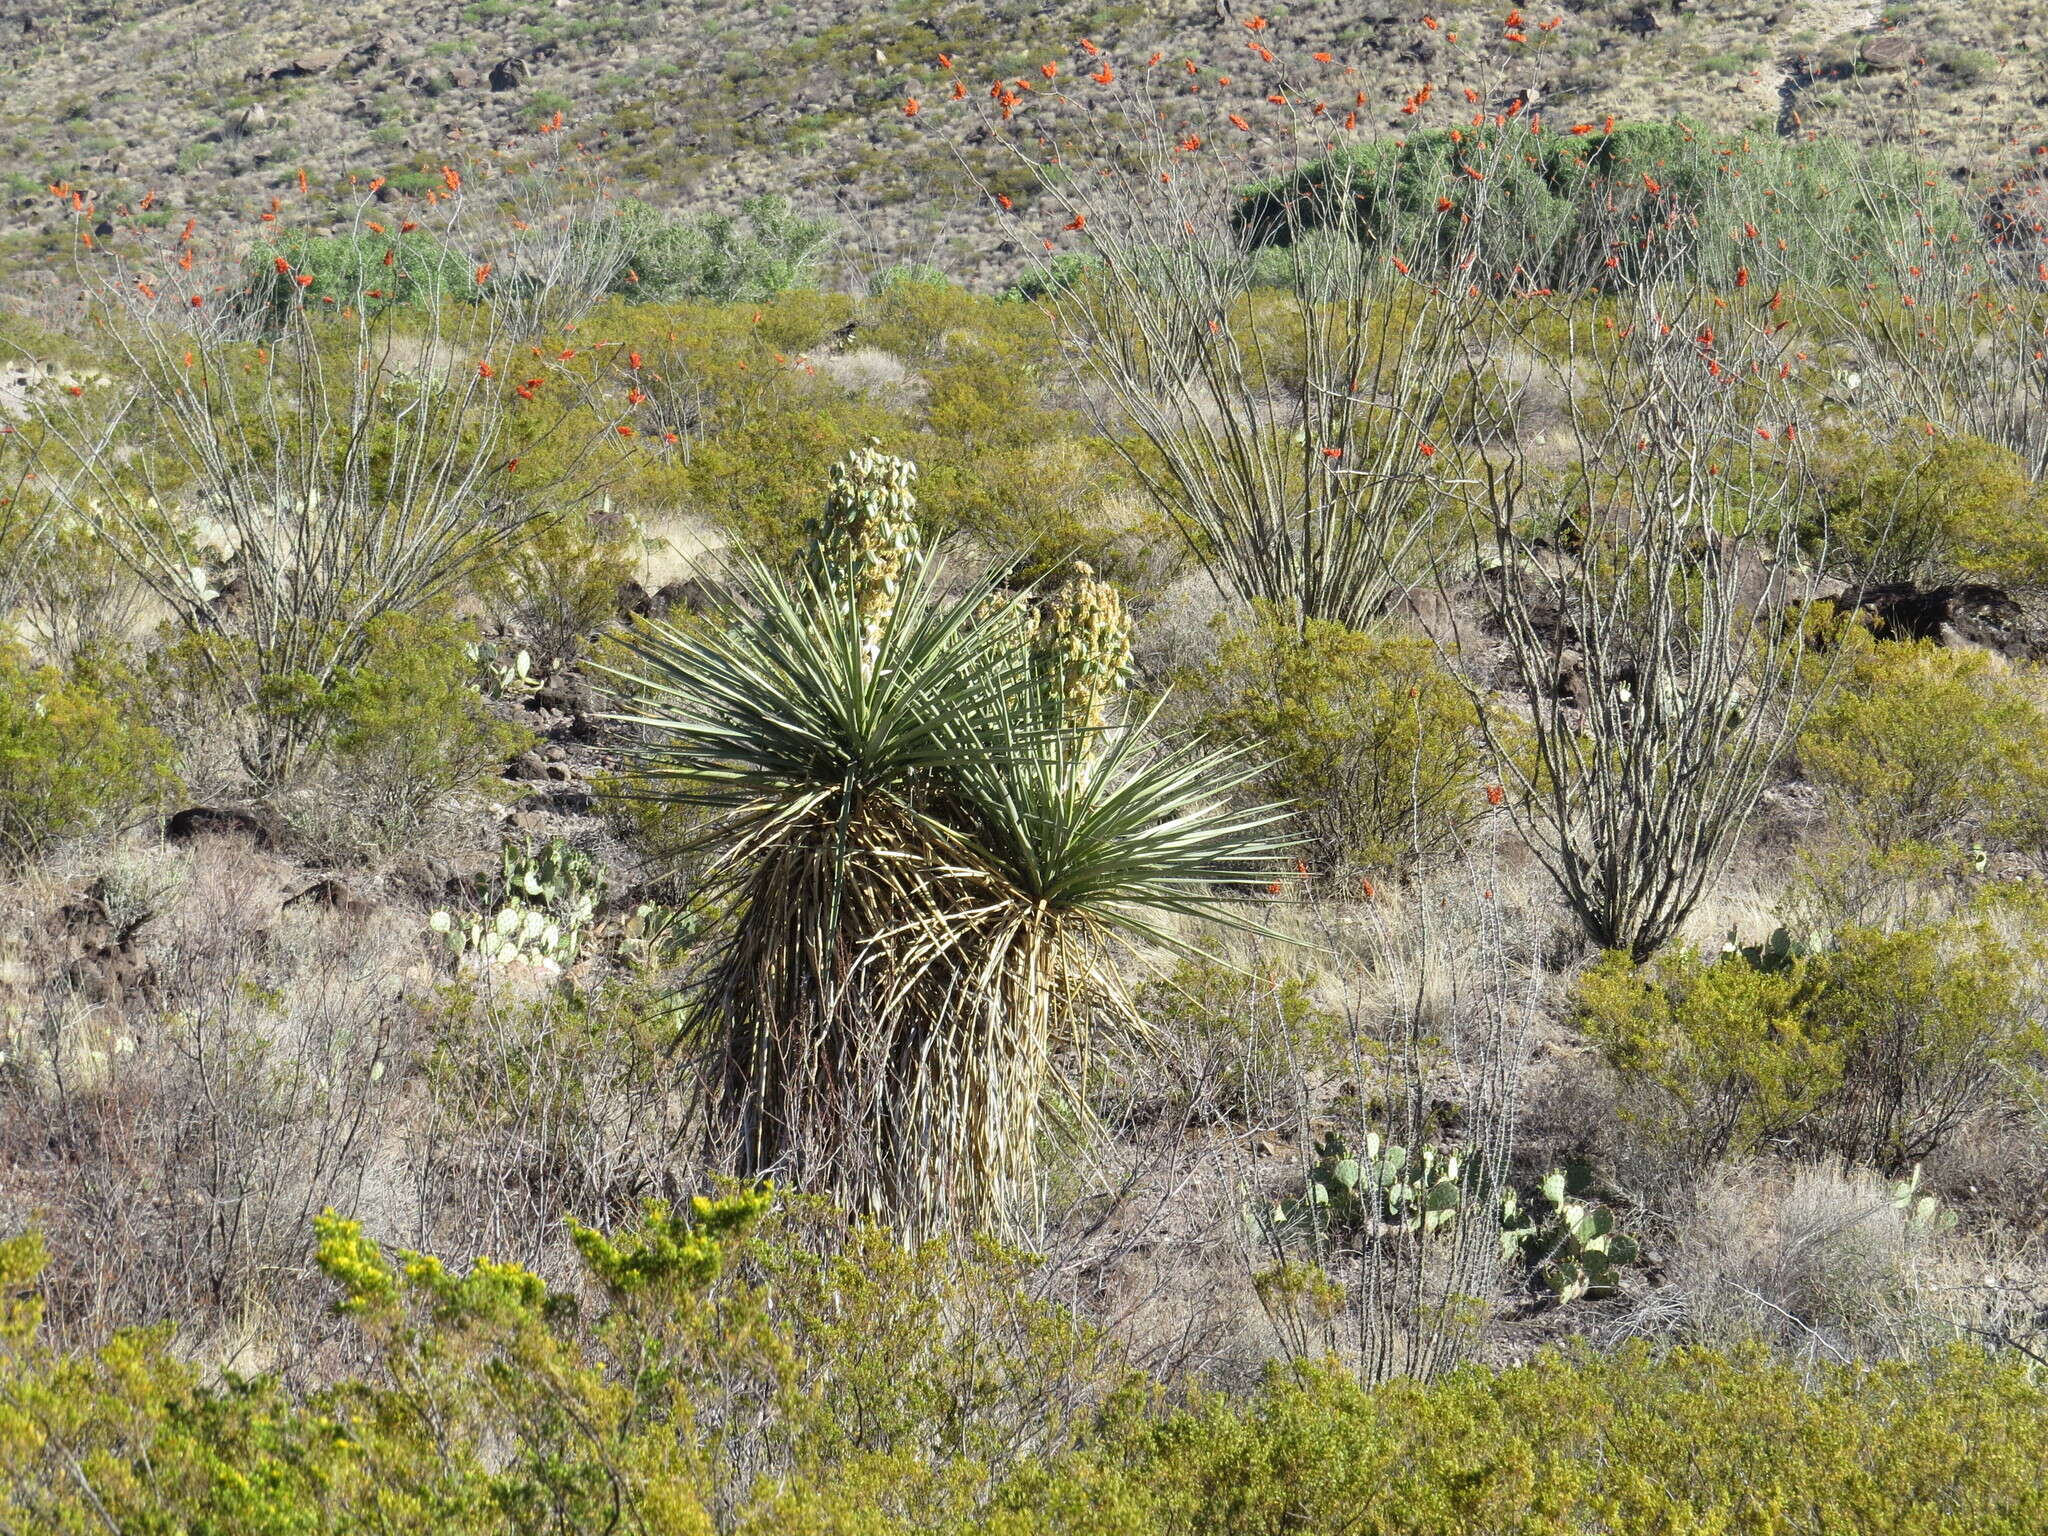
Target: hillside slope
(218,104)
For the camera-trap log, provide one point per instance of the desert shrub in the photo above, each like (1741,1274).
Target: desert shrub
(1716,1056)
(1568,195)
(561,583)
(1922,744)
(75,749)
(801,1380)
(1876,1049)
(1921,509)
(1255,1047)
(700,1376)
(409,728)
(365,268)
(764,250)
(1372,741)
(1936,1018)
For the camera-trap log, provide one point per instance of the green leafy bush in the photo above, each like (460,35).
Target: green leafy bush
(1935,1017)
(725,1368)
(409,723)
(1715,1056)
(764,250)
(561,583)
(1371,739)
(74,748)
(1876,1049)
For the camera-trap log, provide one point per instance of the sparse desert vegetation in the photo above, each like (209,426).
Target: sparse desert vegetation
(1231,807)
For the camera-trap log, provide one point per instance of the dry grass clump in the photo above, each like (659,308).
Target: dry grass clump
(1831,1262)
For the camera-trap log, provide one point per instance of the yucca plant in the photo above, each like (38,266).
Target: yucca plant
(930,845)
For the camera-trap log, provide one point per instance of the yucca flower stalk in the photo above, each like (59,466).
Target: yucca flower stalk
(928,858)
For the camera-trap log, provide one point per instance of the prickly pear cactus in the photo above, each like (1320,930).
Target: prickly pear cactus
(1084,633)
(1573,1247)
(1380,1187)
(537,914)
(867,534)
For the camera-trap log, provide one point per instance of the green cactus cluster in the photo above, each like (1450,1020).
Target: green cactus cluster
(1380,1185)
(1571,1244)
(502,674)
(1781,951)
(1920,1207)
(868,532)
(535,913)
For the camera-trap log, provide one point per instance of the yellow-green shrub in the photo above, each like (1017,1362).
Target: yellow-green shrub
(1930,509)
(1925,744)
(1715,1056)
(409,727)
(1934,1017)
(703,1379)
(75,747)
(561,582)
(1877,1049)
(1372,740)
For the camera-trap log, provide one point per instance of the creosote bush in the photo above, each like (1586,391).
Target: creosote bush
(1876,1049)
(722,1367)
(1922,744)
(74,749)
(1373,744)
(1928,510)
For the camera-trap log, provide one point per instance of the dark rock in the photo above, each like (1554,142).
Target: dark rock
(332,896)
(1968,612)
(215,821)
(102,963)
(510,74)
(566,691)
(635,600)
(527,766)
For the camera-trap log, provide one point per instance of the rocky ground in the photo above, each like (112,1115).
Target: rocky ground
(216,106)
